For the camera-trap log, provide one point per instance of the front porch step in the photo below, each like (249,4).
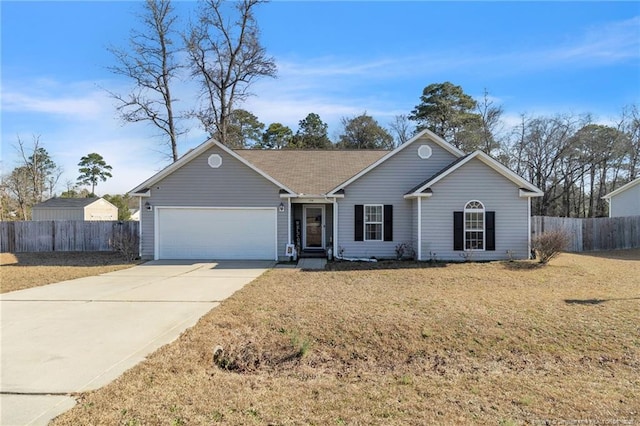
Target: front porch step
(312,254)
(312,263)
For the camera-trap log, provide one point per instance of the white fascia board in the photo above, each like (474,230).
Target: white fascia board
(414,195)
(529,194)
(425,133)
(196,152)
(140,194)
(622,189)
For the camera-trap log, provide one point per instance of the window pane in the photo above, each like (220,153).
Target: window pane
(373,214)
(373,232)
(474,240)
(474,221)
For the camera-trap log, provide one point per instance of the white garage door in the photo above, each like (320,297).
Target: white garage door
(216,233)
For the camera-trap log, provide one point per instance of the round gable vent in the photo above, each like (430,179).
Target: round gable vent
(424,152)
(214,161)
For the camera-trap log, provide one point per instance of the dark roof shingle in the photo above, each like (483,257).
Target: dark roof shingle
(311,172)
(68,203)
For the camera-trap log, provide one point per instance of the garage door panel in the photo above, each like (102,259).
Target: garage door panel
(200,233)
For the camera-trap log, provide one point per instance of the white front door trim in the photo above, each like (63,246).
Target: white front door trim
(304,225)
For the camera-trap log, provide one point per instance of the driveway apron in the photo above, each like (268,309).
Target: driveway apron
(79,335)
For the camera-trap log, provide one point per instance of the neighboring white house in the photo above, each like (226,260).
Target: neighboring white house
(135,214)
(74,209)
(220,203)
(625,201)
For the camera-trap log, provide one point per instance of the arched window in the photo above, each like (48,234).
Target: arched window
(474,226)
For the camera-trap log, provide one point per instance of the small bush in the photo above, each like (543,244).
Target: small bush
(405,250)
(126,245)
(549,244)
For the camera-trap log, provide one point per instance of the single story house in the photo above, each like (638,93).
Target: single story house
(625,201)
(74,209)
(219,203)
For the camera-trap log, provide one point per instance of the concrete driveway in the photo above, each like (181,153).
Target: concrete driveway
(79,335)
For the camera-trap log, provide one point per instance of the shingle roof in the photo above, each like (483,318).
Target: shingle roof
(312,172)
(68,203)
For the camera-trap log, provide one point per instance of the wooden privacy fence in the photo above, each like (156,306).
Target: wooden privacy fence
(64,235)
(600,233)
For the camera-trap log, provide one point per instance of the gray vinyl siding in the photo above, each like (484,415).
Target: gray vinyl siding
(475,181)
(196,184)
(626,203)
(387,184)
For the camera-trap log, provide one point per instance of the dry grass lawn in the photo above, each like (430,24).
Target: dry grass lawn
(25,270)
(477,343)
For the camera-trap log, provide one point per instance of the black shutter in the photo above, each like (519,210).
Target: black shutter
(490,229)
(458,230)
(388,222)
(358,226)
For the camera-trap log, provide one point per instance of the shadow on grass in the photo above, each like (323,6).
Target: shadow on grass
(596,301)
(381,264)
(102,258)
(522,265)
(626,254)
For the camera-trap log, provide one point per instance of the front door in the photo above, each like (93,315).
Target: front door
(313,227)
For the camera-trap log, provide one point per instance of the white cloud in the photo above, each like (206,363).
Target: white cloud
(75,101)
(614,41)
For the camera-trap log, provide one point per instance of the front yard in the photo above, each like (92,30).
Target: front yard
(25,270)
(487,343)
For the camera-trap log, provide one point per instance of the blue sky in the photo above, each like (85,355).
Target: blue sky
(334,58)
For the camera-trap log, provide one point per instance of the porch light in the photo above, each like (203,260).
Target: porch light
(281,207)
(148,206)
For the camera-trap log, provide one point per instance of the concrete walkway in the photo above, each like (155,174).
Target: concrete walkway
(79,335)
(312,263)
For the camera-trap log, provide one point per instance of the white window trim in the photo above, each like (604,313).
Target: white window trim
(365,223)
(484,225)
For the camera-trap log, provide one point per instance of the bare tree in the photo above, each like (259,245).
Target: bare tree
(402,128)
(226,57)
(542,145)
(490,115)
(150,63)
(17,189)
(43,172)
(630,124)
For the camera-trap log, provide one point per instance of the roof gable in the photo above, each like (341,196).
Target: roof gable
(622,189)
(425,133)
(194,153)
(529,189)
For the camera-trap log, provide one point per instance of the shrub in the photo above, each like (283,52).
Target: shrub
(549,244)
(405,250)
(126,245)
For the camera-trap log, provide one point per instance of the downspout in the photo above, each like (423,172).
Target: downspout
(288,220)
(419,228)
(529,227)
(140,227)
(335,226)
